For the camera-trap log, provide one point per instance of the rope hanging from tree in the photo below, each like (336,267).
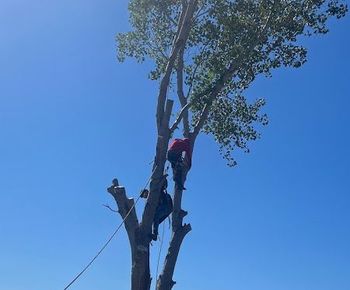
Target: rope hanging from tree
(111,237)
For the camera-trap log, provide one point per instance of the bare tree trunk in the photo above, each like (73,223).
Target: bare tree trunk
(165,281)
(140,270)
(140,233)
(179,231)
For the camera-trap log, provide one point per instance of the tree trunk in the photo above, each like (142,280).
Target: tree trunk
(179,231)
(140,269)
(139,233)
(165,281)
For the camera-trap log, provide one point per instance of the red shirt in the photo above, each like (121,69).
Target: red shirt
(179,145)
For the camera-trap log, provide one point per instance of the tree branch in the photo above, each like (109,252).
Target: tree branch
(158,171)
(108,207)
(225,77)
(163,118)
(179,231)
(165,281)
(124,207)
(181,116)
(214,91)
(180,93)
(184,27)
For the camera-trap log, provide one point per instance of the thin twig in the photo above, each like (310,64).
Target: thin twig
(111,209)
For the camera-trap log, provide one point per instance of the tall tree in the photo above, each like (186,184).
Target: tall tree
(210,51)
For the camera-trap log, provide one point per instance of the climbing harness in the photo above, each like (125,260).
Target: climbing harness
(111,237)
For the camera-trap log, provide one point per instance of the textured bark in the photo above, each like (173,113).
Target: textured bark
(179,231)
(140,233)
(181,94)
(158,171)
(179,43)
(165,281)
(140,271)
(126,207)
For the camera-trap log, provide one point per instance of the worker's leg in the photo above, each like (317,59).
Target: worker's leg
(173,156)
(178,175)
(176,161)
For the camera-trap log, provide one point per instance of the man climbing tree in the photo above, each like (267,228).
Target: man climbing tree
(177,147)
(210,51)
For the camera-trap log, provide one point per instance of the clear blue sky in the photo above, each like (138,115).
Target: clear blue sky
(72,118)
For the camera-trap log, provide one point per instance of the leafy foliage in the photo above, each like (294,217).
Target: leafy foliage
(232,124)
(240,39)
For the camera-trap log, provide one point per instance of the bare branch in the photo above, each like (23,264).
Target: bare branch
(180,93)
(165,281)
(163,117)
(201,121)
(111,209)
(125,207)
(181,115)
(167,115)
(183,32)
(214,91)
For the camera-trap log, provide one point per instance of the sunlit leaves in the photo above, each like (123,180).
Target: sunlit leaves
(256,36)
(232,123)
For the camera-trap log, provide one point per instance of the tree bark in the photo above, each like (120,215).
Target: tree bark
(140,233)
(140,270)
(165,281)
(179,231)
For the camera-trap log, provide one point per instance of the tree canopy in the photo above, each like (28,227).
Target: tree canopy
(229,43)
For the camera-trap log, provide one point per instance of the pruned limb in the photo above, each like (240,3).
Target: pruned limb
(165,281)
(127,211)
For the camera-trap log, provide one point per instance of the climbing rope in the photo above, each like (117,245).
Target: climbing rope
(159,254)
(110,238)
(104,246)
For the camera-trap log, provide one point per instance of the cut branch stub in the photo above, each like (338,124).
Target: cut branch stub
(127,211)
